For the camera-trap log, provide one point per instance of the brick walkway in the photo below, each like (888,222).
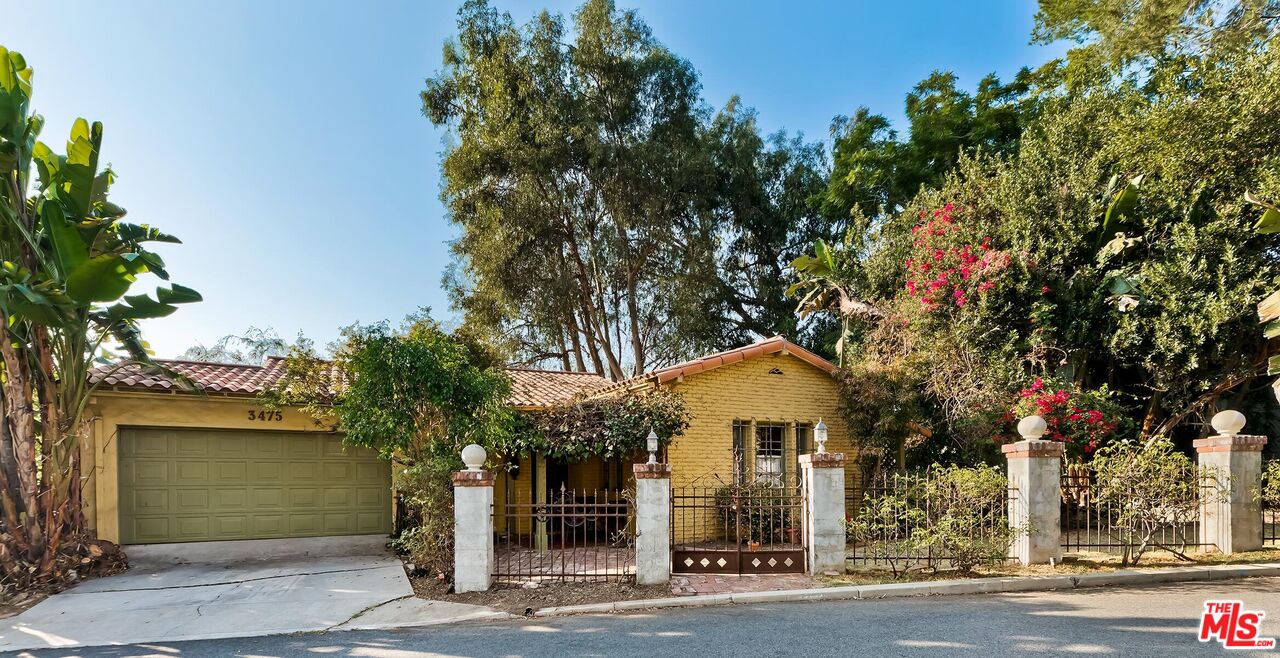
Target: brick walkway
(720,584)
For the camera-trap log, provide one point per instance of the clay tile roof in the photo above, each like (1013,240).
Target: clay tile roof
(529,388)
(226,378)
(773,345)
(532,389)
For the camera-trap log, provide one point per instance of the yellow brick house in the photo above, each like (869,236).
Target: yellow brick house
(167,465)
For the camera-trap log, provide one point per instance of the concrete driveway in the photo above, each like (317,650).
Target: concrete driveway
(212,590)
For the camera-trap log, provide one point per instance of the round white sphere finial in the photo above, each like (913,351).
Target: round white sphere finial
(1032,427)
(473,456)
(1228,423)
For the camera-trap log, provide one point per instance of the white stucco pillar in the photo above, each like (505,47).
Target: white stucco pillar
(824,534)
(1231,519)
(653,523)
(1035,496)
(473,559)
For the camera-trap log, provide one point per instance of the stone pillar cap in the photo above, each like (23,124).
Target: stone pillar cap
(1230,443)
(1033,448)
(473,479)
(823,459)
(652,471)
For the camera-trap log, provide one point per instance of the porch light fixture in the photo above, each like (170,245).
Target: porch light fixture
(653,447)
(473,456)
(820,436)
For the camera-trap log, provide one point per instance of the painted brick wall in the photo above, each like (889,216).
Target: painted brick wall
(746,391)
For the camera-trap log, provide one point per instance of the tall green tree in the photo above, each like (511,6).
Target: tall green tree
(1112,254)
(67,264)
(575,162)
(762,210)
(876,172)
(1136,36)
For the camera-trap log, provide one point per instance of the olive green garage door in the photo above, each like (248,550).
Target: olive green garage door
(181,485)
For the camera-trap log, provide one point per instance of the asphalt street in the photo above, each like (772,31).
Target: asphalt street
(1150,621)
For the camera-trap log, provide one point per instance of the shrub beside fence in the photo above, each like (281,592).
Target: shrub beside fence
(944,517)
(1133,498)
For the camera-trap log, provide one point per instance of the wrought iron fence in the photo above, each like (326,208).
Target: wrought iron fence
(1109,526)
(738,528)
(577,536)
(1270,512)
(893,521)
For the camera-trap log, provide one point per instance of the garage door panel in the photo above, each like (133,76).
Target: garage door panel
(231,471)
(191,500)
(150,529)
(192,472)
(369,497)
(229,526)
(305,524)
(340,523)
(148,472)
(370,473)
(304,497)
(303,446)
(191,445)
(148,501)
(191,528)
(303,471)
(368,522)
(269,525)
(266,446)
(149,443)
(335,497)
(267,471)
(232,445)
(332,446)
(336,470)
(194,485)
(229,499)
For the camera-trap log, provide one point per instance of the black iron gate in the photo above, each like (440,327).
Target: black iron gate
(577,536)
(737,529)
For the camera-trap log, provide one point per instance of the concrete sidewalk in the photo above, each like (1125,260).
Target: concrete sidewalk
(208,590)
(935,588)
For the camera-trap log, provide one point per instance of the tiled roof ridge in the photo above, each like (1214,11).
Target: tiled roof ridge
(770,345)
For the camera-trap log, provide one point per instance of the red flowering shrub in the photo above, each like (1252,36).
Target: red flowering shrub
(950,263)
(1083,420)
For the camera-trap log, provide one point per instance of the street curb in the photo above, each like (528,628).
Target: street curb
(936,588)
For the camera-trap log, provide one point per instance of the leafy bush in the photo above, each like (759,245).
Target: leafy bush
(426,491)
(607,427)
(966,516)
(883,529)
(1269,492)
(1153,493)
(951,513)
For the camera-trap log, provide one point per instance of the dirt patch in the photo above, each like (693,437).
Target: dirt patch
(1081,563)
(519,600)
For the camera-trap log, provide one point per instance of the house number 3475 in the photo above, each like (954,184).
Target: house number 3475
(266,415)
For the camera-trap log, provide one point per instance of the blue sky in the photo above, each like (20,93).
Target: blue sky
(284,143)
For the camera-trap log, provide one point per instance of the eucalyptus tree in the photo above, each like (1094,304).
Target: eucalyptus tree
(67,264)
(575,163)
